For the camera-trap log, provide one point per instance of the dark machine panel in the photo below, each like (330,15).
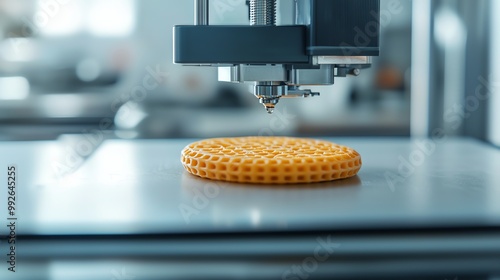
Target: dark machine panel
(212,44)
(344,27)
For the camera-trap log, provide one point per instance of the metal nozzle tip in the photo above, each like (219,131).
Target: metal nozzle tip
(269,108)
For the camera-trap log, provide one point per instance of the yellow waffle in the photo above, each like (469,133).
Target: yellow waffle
(270,160)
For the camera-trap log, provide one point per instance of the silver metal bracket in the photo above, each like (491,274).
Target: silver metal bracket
(269,94)
(318,60)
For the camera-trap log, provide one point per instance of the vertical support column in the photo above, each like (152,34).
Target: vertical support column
(201,12)
(489,86)
(420,68)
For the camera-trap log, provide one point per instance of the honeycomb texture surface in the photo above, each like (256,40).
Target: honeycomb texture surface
(270,160)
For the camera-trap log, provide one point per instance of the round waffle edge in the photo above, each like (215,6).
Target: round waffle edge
(270,160)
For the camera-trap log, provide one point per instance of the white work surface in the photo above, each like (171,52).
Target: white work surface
(140,187)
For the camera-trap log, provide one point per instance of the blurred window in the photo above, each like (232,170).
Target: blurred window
(102,18)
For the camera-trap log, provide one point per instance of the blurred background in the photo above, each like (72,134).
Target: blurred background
(75,66)
(98,69)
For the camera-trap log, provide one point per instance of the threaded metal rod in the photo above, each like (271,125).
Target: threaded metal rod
(262,12)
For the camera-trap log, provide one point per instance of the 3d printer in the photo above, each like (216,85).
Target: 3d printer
(329,38)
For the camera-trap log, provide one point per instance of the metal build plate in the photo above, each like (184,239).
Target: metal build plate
(139,186)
